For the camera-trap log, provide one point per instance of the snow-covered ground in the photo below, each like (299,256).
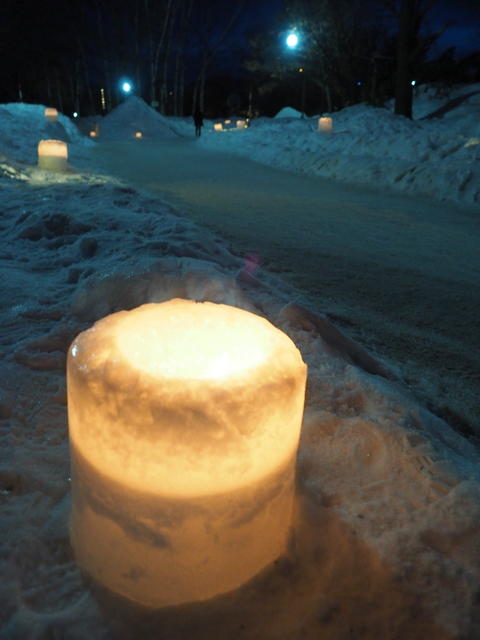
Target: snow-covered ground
(386,530)
(438,157)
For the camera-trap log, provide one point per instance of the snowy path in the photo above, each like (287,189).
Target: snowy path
(400,275)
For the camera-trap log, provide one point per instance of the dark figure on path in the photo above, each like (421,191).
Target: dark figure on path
(198,119)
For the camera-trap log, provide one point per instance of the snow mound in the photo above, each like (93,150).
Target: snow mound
(132,116)
(436,158)
(22,126)
(289,112)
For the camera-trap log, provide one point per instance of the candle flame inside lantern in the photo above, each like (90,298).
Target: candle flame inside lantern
(52,155)
(51,114)
(325,125)
(184,419)
(138,134)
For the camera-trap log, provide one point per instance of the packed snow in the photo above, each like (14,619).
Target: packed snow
(437,157)
(385,542)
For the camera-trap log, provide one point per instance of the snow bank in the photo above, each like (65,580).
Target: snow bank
(22,126)
(438,158)
(288,112)
(385,542)
(132,116)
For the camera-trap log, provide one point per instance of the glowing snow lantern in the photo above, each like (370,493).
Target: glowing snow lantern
(138,134)
(51,114)
(93,134)
(184,423)
(325,125)
(241,124)
(218,126)
(52,155)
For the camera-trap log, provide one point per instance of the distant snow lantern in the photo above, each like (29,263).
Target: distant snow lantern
(241,124)
(228,122)
(51,114)
(218,126)
(93,134)
(52,155)
(325,125)
(138,134)
(184,422)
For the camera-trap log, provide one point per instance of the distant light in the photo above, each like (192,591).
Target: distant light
(75,114)
(300,70)
(292,40)
(126,87)
(413,83)
(359,83)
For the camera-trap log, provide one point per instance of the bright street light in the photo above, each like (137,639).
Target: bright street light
(292,40)
(126,87)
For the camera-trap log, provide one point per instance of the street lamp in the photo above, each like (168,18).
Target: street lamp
(292,40)
(126,87)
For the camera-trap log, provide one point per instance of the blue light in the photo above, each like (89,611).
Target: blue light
(126,87)
(292,40)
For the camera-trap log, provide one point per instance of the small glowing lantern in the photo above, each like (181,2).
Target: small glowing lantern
(184,422)
(138,134)
(228,122)
(218,126)
(51,114)
(52,155)
(93,134)
(325,125)
(241,124)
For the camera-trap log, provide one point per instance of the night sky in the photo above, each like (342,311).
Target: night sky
(40,42)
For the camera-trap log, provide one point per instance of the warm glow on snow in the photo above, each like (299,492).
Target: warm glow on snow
(325,125)
(177,405)
(218,126)
(52,155)
(51,114)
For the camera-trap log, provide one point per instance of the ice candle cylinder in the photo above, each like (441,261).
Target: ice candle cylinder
(325,125)
(51,114)
(184,421)
(52,155)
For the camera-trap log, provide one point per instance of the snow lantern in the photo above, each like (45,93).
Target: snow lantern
(51,114)
(325,125)
(241,124)
(184,421)
(218,126)
(228,122)
(93,134)
(52,155)
(138,134)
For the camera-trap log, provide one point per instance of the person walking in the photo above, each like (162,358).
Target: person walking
(198,120)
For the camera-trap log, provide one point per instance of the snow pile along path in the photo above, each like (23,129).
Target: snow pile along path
(135,116)
(22,126)
(386,539)
(438,158)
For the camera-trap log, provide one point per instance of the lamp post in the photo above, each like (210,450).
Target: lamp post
(292,41)
(126,87)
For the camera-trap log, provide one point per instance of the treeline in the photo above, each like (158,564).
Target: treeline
(65,52)
(73,54)
(355,50)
